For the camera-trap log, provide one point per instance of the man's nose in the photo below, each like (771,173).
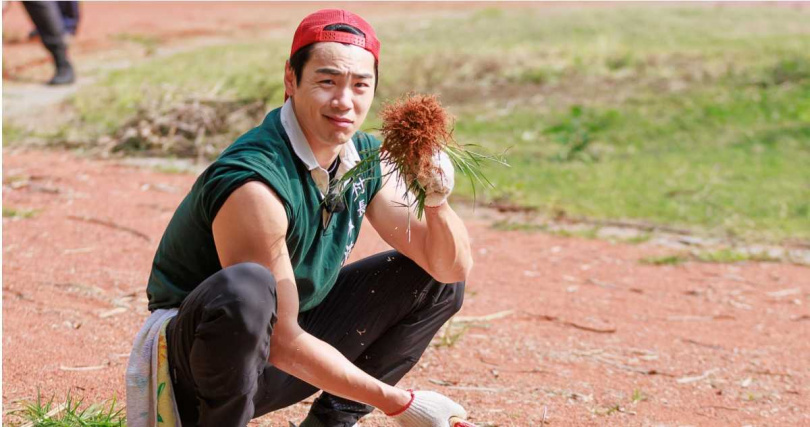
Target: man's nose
(343,99)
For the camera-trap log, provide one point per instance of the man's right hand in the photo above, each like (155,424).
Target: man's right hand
(428,409)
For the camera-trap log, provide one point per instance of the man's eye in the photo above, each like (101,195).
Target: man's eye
(362,85)
(328,82)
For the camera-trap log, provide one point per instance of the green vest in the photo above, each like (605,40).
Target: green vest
(187,255)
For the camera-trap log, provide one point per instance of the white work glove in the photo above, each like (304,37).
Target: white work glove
(429,409)
(438,180)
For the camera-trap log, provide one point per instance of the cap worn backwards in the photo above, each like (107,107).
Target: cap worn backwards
(311,30)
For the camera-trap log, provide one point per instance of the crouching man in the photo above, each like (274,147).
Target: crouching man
(253,307)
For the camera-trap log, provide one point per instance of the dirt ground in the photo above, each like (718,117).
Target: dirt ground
(554,330)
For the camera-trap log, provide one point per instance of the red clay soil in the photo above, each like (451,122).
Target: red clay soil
(584,332)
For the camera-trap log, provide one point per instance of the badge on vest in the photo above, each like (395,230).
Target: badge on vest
(358,188)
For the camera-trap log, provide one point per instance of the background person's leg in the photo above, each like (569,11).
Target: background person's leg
(219,344)
(48,20)
(70,15)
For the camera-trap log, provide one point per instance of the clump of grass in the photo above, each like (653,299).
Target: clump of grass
(583,232)
(608,411)
(172,169)
(586,233)
(576,132)
(754,397)
(12,134)
(71,413)
(9,212)
(451,335)
(664,260)
(788,70)
(638,239)
(537,76)
(619,60)
(725,256)
(638,396)
(414,130)
(732,256)
(193,127)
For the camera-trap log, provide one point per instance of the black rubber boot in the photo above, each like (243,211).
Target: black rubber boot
(64,70)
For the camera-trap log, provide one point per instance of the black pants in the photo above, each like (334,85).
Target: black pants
(381,314)
(47,18)
(70,15)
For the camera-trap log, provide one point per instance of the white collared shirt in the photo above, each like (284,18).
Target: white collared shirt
(348,154)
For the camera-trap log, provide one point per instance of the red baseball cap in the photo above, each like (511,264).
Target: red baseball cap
(311,30)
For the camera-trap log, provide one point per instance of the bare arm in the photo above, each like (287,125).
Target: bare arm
(438,242)
(251,227)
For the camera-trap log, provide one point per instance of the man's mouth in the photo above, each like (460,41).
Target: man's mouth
(339,121)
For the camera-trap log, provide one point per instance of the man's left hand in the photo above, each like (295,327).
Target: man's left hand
(438,180)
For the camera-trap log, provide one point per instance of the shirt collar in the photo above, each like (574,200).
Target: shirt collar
(348,155)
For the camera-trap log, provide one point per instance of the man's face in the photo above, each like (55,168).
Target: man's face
(335,93)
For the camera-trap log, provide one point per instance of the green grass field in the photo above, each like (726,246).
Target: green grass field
(694,116)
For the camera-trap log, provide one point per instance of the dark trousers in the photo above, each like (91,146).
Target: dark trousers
(381,314)
(70,15)
(48,20)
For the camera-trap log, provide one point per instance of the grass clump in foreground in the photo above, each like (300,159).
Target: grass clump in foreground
(9,212)
(72,413)
(685,115)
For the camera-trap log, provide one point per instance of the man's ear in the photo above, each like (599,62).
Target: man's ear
(289,80)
